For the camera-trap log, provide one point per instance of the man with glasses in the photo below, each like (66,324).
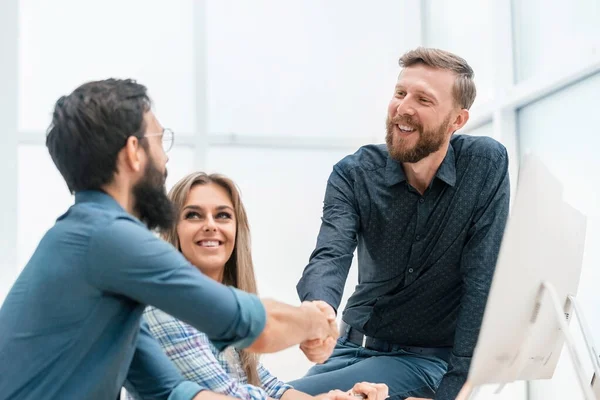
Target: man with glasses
(70,326)
(167,136)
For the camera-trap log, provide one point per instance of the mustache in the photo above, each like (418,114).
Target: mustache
(405,120)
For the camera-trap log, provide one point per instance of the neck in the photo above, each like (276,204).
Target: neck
(215,274)
(122,195)
(420,174)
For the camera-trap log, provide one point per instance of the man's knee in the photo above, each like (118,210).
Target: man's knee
(320,369)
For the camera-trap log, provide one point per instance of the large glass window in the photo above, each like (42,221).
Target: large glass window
(283,192)
(464,27)
(65,43)
(552,36)
(304,68)
(562,130)
(43,195)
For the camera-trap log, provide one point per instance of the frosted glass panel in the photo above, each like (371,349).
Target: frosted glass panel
(43,197)
(484,130)
(181,163)
(306,68)
(465,27)
(43,194)
(64,43)
(553,35)
(283,193)
(569,148)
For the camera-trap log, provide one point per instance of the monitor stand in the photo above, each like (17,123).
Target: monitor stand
(591,390)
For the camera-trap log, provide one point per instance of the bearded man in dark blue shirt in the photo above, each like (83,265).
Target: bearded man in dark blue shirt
(427,212)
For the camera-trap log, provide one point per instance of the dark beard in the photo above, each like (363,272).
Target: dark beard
(429,141)
(152,205)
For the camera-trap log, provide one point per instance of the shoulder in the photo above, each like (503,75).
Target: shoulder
(124,240)
(368,157)
(86,221)
(478,146)
(122,229)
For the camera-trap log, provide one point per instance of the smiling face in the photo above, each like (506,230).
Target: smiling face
(422,113)
(207,228)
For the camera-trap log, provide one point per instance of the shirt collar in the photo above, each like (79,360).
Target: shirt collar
(394,173)
(447,170)
(98,197)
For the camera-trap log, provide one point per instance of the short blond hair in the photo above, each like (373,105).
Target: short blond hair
(464,90)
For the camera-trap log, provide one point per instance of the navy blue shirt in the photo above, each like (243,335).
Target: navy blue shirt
(70,326)
(425,262)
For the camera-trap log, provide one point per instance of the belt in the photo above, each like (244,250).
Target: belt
(368,342)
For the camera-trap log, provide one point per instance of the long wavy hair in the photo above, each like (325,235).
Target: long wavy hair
(239,269)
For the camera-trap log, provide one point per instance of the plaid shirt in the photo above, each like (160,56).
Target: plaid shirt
(199,361)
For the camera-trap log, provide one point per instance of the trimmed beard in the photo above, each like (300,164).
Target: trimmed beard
(429,141)
(152,205)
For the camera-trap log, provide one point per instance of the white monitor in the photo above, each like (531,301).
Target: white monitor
(543,241)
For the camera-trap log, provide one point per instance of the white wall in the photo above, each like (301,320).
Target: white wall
(8,144)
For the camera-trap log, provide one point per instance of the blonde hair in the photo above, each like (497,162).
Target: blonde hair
(239,269)
(464,91)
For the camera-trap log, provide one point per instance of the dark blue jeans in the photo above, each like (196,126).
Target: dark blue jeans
(406,374)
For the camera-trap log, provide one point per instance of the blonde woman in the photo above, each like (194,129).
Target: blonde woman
(212,232)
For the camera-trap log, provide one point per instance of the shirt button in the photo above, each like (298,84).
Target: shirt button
(421,200)
(418,237)
(410,270)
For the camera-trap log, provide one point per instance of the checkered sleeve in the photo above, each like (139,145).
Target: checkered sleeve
(273,386)
(191,352)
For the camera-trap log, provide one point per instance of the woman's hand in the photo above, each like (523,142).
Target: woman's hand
(370,391)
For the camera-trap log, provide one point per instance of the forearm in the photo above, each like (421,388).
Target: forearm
(152,272)
(324,280)
(293,394)
(208,395)
(454,379)
(286,326)
(325,275)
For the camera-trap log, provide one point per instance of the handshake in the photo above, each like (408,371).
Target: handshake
(312,325)
(322,331)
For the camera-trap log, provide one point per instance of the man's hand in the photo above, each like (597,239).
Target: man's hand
(289,325)
(322,342)
(465,391)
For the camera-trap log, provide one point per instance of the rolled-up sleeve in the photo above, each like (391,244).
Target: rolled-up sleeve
(186,390)
(127,259)
(152,375)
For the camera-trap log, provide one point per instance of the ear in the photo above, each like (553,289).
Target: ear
(131,154)
(460,120)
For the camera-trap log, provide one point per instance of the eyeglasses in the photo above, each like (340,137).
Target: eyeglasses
(167,136)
